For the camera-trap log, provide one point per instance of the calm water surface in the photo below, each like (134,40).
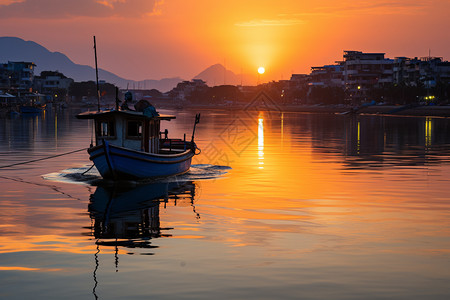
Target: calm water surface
(277,206)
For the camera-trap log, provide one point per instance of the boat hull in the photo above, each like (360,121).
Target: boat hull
(119,163)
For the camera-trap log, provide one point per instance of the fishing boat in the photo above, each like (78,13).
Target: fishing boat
(130,146)
(34,103)
(129,143)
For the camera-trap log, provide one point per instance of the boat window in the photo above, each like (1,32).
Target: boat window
(134,129)
(106,128)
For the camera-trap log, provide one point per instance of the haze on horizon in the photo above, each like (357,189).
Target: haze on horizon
(153,39)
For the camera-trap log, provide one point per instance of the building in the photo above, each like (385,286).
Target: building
(443,72)
(364,71)
(299,80)
(52,83)
(17,77)
(425,71)
(364,77)
(184,89)
(327,76)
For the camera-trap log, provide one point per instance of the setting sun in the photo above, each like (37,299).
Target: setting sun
(261,70)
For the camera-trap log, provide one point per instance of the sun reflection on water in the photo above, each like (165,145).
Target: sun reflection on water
(337,186)
(261,142)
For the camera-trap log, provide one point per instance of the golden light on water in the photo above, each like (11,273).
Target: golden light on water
(358,145)
(56,129)
(261,142)
(428,131)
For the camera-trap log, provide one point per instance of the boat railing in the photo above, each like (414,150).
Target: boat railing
(175,144)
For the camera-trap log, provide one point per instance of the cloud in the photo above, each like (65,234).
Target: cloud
(270,22)
(371,8)
(63,9)
(342,9)
(384,7)
(350,8)
(157,8)
(8,2)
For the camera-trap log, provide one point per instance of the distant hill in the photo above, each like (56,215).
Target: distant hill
(218,75)
(16,49)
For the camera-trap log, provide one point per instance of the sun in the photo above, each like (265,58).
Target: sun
(261,70)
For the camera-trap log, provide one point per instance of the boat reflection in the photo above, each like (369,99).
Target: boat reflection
(129,217)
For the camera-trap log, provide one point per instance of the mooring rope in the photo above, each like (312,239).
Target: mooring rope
(43,158)
(53,187)
(90,168)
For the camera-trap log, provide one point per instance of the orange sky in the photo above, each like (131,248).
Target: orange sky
(152,39)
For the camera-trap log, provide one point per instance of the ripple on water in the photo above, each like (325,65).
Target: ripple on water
(89,175)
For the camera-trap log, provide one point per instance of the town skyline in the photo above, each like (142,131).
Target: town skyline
(214,75)
(358,78)
(156,39)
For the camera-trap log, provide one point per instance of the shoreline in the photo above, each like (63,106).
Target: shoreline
(382,110)
(386,110)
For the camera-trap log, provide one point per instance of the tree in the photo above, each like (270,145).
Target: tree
(327,95)
(89,89)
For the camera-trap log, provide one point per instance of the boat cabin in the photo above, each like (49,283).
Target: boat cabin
(134,130)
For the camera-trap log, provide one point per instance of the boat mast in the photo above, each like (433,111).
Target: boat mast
(96,76)
(197,120)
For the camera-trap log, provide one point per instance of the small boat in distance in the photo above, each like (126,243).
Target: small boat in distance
(33,103)
(130,146)
(31,109)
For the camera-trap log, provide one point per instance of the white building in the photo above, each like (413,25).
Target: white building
(327,76)
(51,81)
(364,71)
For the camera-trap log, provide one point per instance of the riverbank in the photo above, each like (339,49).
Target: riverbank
(418,111)
(392,110)
(423,111)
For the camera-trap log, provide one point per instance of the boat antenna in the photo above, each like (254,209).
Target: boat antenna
(117,98)
(96,76)
(197,120)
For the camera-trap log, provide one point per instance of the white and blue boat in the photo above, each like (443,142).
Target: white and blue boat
(130,146)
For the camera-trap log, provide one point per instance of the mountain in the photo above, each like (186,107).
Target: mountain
(218,75)
(16,49)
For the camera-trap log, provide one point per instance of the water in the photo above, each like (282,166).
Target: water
(277,206)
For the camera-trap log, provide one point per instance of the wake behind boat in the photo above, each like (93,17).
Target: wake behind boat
(130,146)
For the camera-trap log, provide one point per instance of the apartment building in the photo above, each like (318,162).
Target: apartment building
(17,76)
(50,81)
(328,75)
(425,71)
(364,71)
